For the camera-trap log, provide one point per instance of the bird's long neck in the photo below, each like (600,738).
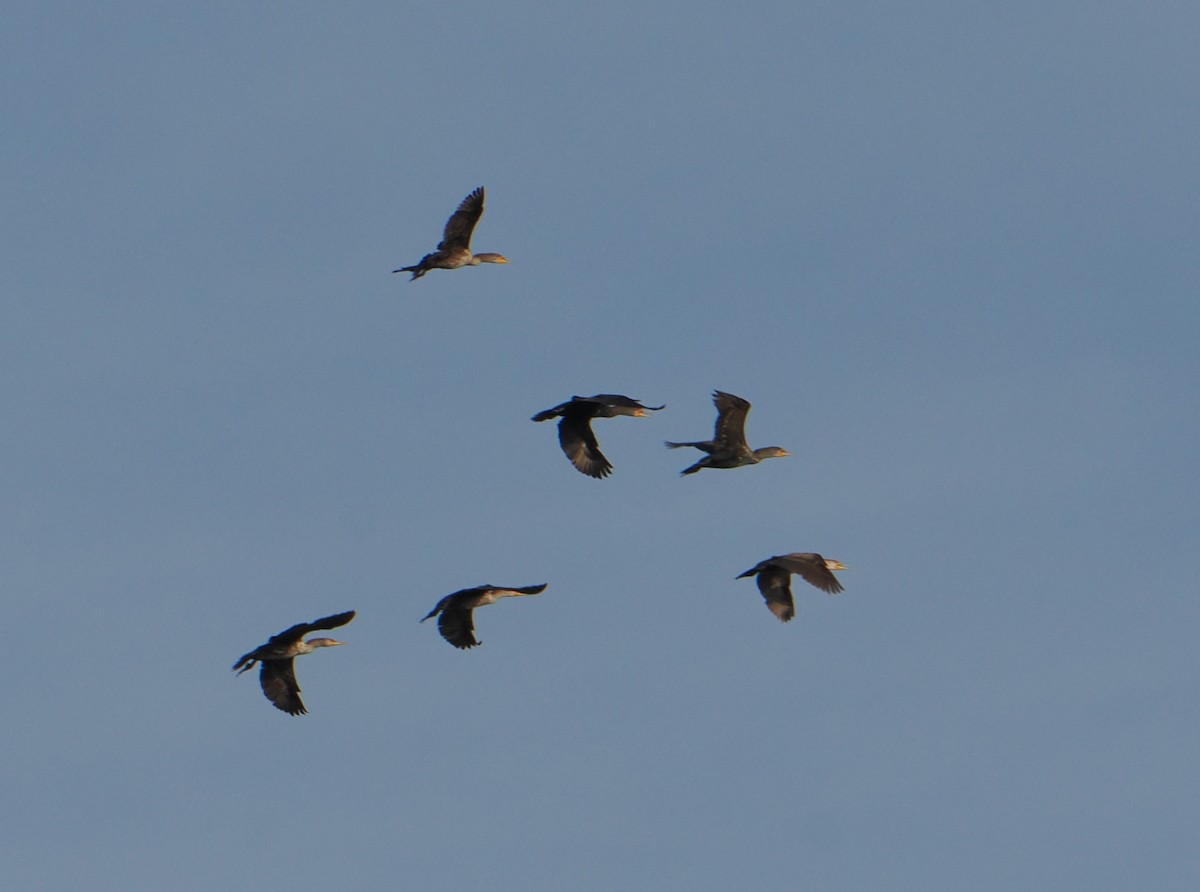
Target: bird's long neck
(307,647)
(769,452)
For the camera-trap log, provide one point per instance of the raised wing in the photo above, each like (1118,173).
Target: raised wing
(298,631)
(462,222)
(730,429)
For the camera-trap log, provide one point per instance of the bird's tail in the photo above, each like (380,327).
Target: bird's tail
(671,445)
(416,271)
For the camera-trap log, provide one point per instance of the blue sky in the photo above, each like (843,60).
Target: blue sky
(947,251)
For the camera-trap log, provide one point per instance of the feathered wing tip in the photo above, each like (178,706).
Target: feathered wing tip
(827,583)
(784,610)
(830,586)
(332,621)
(278,681)
(457,626)
(592,463)
(579,444)
(460,226)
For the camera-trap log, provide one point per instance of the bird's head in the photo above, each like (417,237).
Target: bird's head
(491,258)
(835,565)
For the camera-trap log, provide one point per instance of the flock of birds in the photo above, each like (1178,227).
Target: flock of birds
(455,612)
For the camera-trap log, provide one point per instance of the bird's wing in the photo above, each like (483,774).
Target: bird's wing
(731,419)
(298,631)
(812,569)
(457,626)
(518,590)
(530,589)
(775,585)
(580,445)
(615,399)
(278,680)
(331,622)
(617,404)
(462,222)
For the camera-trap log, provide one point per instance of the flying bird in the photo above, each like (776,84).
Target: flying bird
(727,448)
(575,429)
(454,250)
(456,622)
(278,675)
(774,579)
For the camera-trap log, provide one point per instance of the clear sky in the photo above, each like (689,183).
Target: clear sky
(947,250)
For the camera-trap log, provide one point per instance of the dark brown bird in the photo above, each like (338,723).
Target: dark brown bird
(728,448)
(278,675)
(457,624)
(454,250)
(775,579)
(575,429)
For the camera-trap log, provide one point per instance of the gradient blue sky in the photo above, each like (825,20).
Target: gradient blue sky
(949,252)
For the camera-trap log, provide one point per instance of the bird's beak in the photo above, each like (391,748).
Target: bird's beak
(835,565)
(639,413)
